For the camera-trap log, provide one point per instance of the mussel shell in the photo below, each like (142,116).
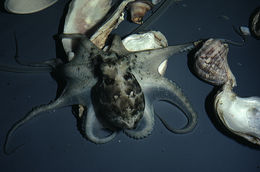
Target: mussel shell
(211,63)
(27,6)
(254,23)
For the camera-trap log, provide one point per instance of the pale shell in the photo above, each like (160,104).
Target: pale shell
(244,30)
(240,115)
(27,6)
(254,23)
(81,21)
(211,63)
(82,15)
(138,10)
(145,41)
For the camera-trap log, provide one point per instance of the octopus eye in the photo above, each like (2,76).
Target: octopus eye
(109,81)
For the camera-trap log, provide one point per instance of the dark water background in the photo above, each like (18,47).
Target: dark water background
(52,141)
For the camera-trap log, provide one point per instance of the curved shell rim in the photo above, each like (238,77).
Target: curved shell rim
(15,11)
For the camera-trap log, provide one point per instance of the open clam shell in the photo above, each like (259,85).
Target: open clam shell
(240,115)
(27,6)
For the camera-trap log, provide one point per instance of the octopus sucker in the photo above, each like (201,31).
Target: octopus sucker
(92,123)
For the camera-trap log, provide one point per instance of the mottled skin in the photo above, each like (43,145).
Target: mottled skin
(124,84)
(118,95)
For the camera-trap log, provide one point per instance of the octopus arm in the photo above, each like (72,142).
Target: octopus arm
(145,127)
(60,102)
(70,96)
(14,69)
(118,47)
(162,89)
(29,67)
(149,60)
(91,126)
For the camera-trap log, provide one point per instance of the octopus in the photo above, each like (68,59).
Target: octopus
(117,88)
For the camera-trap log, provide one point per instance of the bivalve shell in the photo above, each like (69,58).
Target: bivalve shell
(211,63)
(240,115)
(27,6)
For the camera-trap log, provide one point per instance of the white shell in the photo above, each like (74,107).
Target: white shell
(156,1)
(245,30)
(240,115)
(27,6)
(145,41)
(100,36)
(84,15)
(81,17)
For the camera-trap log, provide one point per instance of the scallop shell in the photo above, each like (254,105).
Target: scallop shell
(211,63)
(27,6)
(240,115)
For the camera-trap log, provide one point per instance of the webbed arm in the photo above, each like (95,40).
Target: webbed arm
(92,126)
(149,60)
(164,90)
(73,93)
(60,102)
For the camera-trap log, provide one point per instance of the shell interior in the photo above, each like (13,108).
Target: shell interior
(240,115)
(27,6)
